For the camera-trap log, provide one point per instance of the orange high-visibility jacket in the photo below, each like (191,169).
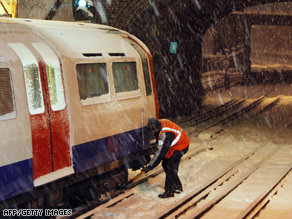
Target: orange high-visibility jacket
(181,140)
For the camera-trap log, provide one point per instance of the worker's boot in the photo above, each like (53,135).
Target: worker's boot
(166,195)
(179,190)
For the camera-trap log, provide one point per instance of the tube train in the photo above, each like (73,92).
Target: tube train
(74,104)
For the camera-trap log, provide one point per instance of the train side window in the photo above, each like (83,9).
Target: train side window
(32,78)
(145,65)
(54,76)
(125,76)
(55,88)
(7,107)
(33,88)
(93,83)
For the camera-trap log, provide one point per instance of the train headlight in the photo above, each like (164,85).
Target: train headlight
(84,10)
(82,3)
(85,3)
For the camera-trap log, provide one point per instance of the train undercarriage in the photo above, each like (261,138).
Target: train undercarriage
(81,188)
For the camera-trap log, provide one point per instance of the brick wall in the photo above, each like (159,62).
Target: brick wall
(39,9)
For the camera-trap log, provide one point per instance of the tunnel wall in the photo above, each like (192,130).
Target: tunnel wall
(158,23)
(39,9)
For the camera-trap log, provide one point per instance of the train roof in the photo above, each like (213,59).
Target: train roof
(51,23)
(72,38)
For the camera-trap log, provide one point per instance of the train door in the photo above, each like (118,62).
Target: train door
(47,108)
(58,116)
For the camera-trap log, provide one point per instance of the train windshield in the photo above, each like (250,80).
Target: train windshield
(92,80)
(125,76)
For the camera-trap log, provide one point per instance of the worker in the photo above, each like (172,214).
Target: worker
(173,143)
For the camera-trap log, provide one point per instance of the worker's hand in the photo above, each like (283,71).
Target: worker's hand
(146,169)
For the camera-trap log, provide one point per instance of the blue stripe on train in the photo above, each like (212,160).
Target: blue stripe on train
(101,151)
(16,178)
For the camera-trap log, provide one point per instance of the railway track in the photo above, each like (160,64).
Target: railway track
(239,176)
(124,193)
(257,167)
(207,115)
(226,113)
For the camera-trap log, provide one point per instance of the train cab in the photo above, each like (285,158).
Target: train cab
(74,97)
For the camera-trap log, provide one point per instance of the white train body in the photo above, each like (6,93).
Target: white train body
(73,96)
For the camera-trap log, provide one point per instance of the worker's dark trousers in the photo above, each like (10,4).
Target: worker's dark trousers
(170,167)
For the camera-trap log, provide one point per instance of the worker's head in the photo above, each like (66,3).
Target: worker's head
(154,124)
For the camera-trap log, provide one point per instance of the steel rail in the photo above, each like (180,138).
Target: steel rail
(209,112)
(256,206)
(234,115)
(235,184)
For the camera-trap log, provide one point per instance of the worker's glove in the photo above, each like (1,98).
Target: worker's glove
(146,169)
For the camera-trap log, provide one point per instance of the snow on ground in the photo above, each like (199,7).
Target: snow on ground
(229,145)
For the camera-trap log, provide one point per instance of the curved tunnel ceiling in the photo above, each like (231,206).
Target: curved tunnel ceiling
(159,23)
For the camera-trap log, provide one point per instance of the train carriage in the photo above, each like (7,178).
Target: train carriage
(74,97)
